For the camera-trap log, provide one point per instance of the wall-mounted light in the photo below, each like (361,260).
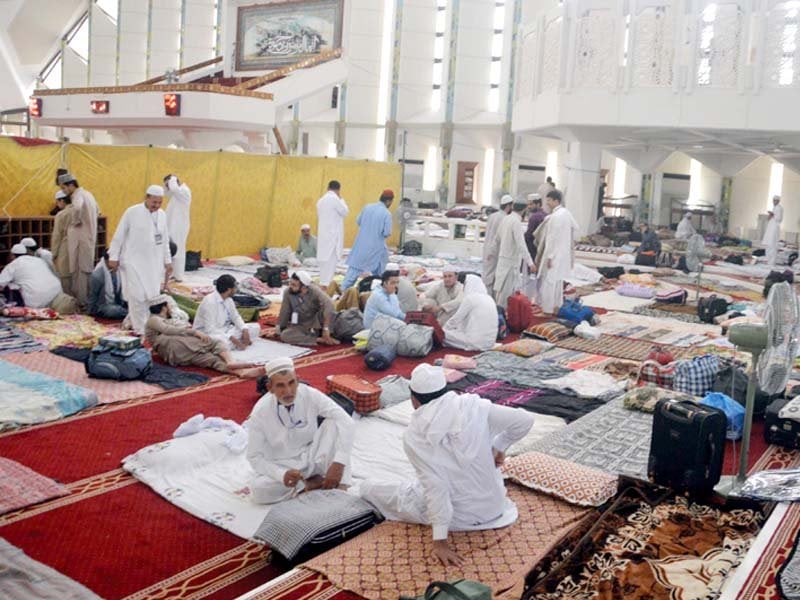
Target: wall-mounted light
(172,105)
(100,107)
(35,108)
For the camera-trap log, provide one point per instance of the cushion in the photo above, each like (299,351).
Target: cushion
(525,347)
(638,278)
(561,478)
(456,361)
(234,261)
(314,518)
(453,375)
(634,290)
(551,331)
(645,398)
(385,330)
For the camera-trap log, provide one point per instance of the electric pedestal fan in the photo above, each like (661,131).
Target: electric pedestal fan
(405,215)
(696,253)
(773,345)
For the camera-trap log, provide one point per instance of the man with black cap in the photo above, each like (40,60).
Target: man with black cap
(456,443)
(140,249)
(306,313)
(369,253)
(298,438)
(81,235)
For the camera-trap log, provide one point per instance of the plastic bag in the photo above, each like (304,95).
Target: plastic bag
(732,409)
(778,485)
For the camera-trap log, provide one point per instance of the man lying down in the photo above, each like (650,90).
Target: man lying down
(455,442)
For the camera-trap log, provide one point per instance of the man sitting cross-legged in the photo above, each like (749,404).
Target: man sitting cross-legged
(218,318)
(180,345)
(456,444)
(288,448)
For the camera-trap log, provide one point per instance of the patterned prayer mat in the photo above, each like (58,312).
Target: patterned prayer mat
(13,339)
(788,578)
(393,558)
(21,486)
(618,347)
(670,333)
(644,549)
(74,372)
(665,314)
(79,331)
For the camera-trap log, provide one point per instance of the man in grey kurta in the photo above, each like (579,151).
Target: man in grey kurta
(444,298)
(306,313)
(307,244)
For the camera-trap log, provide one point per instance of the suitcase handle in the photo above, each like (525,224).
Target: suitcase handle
(679,410)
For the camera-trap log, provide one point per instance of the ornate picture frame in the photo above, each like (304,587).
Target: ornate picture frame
(274,34)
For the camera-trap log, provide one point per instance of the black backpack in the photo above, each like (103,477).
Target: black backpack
(412,248)
(193,260)
(272,276)
(711,307)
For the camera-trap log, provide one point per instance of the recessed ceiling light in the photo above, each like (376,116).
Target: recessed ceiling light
(698,147)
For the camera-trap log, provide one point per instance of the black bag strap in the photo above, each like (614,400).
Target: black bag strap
(448,588)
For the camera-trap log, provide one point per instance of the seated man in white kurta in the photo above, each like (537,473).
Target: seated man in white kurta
(289,450)
(218,318)
(456,444)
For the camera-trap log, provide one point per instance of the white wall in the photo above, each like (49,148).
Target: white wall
(749,195)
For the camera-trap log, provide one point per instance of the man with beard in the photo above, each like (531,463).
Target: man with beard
(306,313)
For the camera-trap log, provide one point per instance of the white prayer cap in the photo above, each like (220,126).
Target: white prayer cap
(18,249)
(29,242)
(160,299)
(155,190)
(60,194)
(65,178)
(278,365)
(426,379)
(305,226)
(449,269)
(392,267)
(304,277)
(506,199)
(534,196)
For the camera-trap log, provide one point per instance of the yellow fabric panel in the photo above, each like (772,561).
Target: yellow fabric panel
(299,183)
(27,178)
(115,175)
(243,198)
(199,170)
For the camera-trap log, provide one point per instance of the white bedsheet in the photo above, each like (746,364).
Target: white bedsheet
(262,351)
(611,300)
(200,475)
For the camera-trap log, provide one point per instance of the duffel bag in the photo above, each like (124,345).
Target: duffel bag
(420,317)
(122,365)
(346,324)
(415,341)
(380,358)
(385,330)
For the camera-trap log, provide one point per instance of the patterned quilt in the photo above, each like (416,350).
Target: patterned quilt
(21,486)
(517,370)
(27,397)
(611,438)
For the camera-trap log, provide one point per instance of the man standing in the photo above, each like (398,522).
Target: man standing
(178,221)
(512,253)
(81,236)
(288,447)
(59,244)
(384,300)
(306,313)
(685,229)
(307,244)
(457,444)
(772,233)
(218,318)
(556,255)
(369,254)
(547,187)
(444,297)
(37,284)
(105,292)
(140,249)
(490,241)
(331,211)
(536,218)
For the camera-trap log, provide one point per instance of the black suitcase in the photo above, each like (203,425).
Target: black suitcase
(687,447)
(781,432)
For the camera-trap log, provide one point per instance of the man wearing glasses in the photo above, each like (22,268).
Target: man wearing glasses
(298,438)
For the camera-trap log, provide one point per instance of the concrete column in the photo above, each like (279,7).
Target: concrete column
(583,178)
(646,198)
(725,202)
(655,199)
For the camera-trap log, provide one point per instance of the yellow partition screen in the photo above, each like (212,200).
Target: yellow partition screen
(240,202)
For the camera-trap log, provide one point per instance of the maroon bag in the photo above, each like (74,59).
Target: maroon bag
(519,313)
(420,317)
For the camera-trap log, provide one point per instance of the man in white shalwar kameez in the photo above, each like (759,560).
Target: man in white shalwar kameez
(331,211)
(140,249)
(685,229)
(81,236)
(772,233)
(178,221)
(287,448)
(556,257)
(512,253)
(490,241)
(218,318)
(456,444)
(474,324)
